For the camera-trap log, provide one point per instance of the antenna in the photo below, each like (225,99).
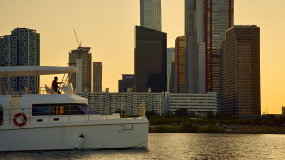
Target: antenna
(79,44)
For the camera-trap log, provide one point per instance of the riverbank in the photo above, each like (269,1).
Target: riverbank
(183,121)
(211,128)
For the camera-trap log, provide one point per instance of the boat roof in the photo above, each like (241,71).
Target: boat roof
(30,99)
(15,71)
(27,100)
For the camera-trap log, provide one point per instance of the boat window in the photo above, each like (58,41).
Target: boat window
(1,115)
(60,109)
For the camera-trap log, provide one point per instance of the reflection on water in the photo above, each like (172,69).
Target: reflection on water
(179,146)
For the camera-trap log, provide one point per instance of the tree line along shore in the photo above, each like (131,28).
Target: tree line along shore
(183,121)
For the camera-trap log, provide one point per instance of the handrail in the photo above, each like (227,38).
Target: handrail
(42,90)
(55,111)
(52,112)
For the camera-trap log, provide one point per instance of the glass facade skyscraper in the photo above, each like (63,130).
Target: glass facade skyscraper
(206,22)
(169,65)
(220,18)
(150,60)
(180,63)
(21,48)
(150,14)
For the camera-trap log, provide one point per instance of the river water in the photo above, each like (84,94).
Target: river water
(179,146)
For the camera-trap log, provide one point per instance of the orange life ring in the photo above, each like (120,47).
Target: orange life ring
(20,115)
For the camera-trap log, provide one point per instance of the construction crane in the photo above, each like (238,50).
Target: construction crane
(79,44)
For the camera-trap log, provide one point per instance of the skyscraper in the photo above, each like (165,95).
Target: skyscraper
(180,59)
(150,14)
(81,57)
(97,76)
(173,76)
(21,48)
(195,46)
(206,22)
(220,19)
(150,60)
(169,65)
(241,71)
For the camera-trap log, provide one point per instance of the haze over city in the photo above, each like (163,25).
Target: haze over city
(108,28)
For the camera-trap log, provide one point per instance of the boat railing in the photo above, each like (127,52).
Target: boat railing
(42,90)
(51,114)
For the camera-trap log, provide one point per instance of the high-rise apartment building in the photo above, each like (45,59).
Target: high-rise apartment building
(81,57)
(150,14)
(21,48)
(97,76)
(241,71)
(150,60)
(180,62)
(126,82)
(206,22)
(170,52)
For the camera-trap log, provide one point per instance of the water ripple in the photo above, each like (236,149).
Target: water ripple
(178,147)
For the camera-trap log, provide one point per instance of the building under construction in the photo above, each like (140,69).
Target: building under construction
(81,57)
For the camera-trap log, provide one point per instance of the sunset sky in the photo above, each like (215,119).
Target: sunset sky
(108,27)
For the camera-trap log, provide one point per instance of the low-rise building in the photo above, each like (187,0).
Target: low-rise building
(136,102)
(200,104)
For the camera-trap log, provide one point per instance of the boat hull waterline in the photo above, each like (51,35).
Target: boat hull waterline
(112,134)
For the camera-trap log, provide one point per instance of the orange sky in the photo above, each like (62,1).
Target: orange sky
(108,27)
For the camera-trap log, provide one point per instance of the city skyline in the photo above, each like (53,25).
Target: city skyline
(51,26)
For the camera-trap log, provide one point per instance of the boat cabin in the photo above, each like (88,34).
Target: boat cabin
(38,109)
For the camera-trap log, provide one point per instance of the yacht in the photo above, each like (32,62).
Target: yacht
(64,121)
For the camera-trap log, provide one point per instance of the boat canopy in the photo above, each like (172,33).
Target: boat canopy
(15,71)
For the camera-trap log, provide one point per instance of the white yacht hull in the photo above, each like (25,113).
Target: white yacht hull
(98,134)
